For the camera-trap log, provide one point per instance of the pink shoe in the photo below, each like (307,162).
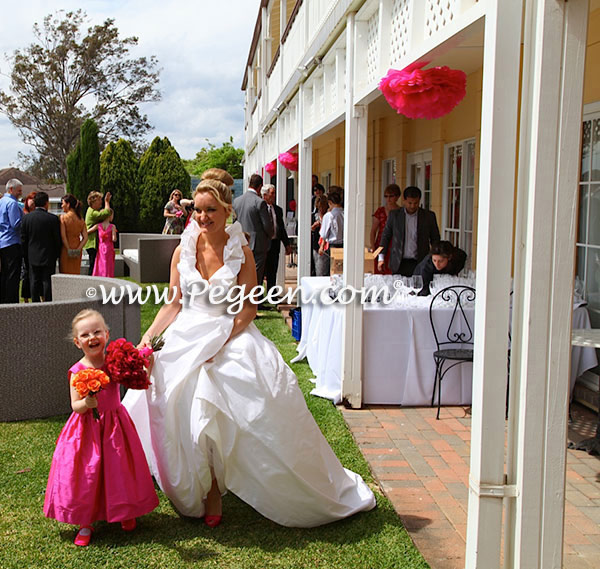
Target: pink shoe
(212,521)
(83,536)
(129,525)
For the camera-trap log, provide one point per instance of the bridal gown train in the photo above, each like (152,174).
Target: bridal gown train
(241,413)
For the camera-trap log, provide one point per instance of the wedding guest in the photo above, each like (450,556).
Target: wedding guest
(74,235)
(105,259)
(224,412)
(28,207)
(320,262)
(252,213)
(175,215)
(331,233)
(99,471)
(408,234)
(391,195)
(444,259)
(94,215)
(41,242)
(280,236)
(11,254)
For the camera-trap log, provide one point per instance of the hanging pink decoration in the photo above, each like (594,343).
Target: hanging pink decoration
(289,160)
(423,93)
(271,168)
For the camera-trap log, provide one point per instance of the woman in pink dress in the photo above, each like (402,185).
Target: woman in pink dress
(391,195)
(99,470)
(105,259)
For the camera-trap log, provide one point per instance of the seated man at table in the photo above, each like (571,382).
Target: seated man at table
(444,259)
(409,231)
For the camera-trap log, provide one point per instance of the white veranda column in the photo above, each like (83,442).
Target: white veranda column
(553,66)
(354,227)
(304,194)
(281,201)
(495,220)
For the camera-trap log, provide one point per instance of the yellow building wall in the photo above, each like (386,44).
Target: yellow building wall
(591,84)
(393,136)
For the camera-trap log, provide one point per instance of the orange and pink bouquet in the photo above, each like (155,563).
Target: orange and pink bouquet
(89,382)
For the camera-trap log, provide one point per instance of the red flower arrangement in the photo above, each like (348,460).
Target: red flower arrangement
(289,160)
(89,382)
(126,364)
(423,93)
(271,168)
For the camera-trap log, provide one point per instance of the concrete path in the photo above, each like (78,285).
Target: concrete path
(422,465)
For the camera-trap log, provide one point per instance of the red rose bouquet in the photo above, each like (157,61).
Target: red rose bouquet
(125,364)
(89,382)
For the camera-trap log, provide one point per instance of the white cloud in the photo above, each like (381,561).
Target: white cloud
(202,48)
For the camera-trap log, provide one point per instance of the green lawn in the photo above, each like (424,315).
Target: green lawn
(164,539)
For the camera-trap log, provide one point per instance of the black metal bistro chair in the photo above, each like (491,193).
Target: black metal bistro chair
(454,342)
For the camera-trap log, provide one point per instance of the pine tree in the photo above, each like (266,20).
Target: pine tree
(74,174)
(118,171)
(83,163)
(161,171)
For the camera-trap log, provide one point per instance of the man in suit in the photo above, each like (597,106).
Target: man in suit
(41,241)
(11,216)
(280,236)
(252,212)
(409,231)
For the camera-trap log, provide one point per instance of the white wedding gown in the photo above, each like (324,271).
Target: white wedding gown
(242,414)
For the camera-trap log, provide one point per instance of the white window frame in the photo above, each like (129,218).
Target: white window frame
(464,236)
(420,159)
(325,178)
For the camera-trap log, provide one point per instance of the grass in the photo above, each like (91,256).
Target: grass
(164,539)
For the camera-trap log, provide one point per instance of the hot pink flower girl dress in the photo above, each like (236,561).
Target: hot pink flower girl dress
(99,470)
(105,259)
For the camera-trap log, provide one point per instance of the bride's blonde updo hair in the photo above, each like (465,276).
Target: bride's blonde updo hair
(218,174)
(218,190)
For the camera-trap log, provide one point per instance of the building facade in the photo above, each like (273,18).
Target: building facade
(513,175)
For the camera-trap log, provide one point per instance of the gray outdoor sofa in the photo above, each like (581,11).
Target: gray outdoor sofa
(37,353)
(148,255)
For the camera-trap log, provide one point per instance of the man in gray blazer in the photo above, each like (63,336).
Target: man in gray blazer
(252,212)
(409,231)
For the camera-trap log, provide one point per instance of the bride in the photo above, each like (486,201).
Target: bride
(224,411)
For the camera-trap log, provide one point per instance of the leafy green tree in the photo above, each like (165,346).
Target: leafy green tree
(227,157)
(118,172)
(161,171)
(68,75)
(83,164)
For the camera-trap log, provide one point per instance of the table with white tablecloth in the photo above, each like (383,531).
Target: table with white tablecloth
(398,346)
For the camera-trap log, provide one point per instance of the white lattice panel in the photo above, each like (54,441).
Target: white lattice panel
(400,29)
(438,14)
(373,47)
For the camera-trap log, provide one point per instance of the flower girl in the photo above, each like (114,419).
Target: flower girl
(99,470)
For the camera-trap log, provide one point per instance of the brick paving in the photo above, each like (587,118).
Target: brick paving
(422,465)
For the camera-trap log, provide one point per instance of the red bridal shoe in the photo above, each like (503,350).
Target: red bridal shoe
(129,525)
(83,536)
(212,521)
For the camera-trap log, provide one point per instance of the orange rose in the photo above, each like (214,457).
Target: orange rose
(94,385)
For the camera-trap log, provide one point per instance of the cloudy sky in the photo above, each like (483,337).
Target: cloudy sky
(201,45)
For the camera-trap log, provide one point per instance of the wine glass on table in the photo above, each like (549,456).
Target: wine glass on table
(417,283)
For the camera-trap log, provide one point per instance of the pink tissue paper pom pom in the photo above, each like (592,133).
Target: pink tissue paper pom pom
(423,93)
(271,168)
(289,160)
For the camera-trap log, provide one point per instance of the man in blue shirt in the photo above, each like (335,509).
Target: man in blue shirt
(10,242)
